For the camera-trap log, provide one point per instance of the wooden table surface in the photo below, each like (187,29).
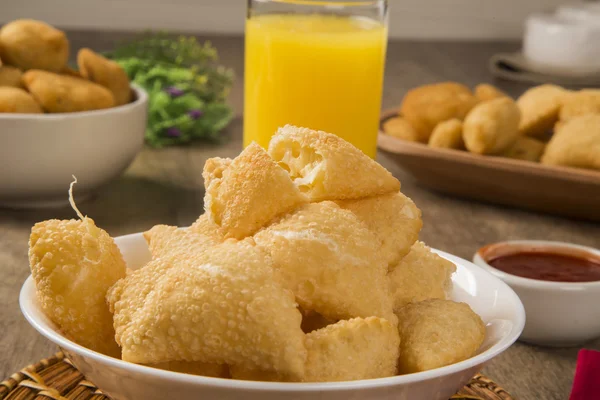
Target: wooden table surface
(165,186)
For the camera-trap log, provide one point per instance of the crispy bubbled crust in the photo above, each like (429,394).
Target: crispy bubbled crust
(576,143)
(164,240)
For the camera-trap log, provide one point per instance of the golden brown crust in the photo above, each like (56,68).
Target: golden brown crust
(214,168)
(105,72)
(539,109)
(400,128)
(486,92)
(164,241)
(16,100)
(576,143)
(10,76)
(583,102)
(204,226)
(448,135)
(525,148)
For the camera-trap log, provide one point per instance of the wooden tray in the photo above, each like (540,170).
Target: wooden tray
(57,379)
(570,192)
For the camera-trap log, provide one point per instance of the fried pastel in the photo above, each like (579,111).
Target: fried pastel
(16,100)
(539,109)
(448,135)
(164,240)
(214,168)
(223,306)
(203,225)
(525,148)
(400,128)
(575,144)
(30,44)
(105,72)
(395,220)
(583,102)
(435,333)
(194,368)
(426,106)
(326,167)
(421,275)
(62,93)
(10,76)
(486,92)
(251,192)
(73,264)
(328,258)
(492,127)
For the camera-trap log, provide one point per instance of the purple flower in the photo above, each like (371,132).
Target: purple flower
(173,132)
(174,92)
(195,114)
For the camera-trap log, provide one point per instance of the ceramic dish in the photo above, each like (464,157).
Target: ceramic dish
(494,301)
(558,313)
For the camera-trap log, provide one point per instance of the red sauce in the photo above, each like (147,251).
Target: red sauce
(547,266)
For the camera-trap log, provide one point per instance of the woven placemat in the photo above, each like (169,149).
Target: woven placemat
(56,378)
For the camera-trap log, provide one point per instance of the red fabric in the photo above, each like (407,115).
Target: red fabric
(586,385)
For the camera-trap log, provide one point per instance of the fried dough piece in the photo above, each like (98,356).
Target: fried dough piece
(328,259)
(251,192)
(492,127)
(400,128)
(71,72)
(30,44)
(539,109)
(352,350)
(74,263)
(525,148)
(10,76)
(426,106)
(206,227)
(435,333)
(164,240)
(16,100)
(421,275)
(223,306)
(583,102)
(105,72)
(326,167)
(486,92)
(194,368)
(575,144)
(393,218)
(448,135)
(214,168)
(61,93)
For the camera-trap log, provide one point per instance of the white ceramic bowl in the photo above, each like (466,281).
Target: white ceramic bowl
(558,313)
(39,153)
(497,304)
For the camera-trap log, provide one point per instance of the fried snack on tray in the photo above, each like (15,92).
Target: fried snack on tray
(223,306)
(575,144)
(400,128)
(426,106)
(436,333)
(329,260)
(10,76)
(252,191)
(16,100)
(62,93)
(105,72)
(492,127)
(448,135)
(583,102)
(539,109)
(525,148)
(326,167)
(30,44)
(393,218)
(421,275)
(486,92)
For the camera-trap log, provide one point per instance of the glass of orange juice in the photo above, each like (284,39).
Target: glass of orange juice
(316,64)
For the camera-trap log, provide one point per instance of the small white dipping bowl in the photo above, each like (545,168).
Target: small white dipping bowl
(558,313)
(39,153)
(497,304)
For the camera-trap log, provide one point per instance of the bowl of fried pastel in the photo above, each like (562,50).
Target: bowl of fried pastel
(304,277)
(56,121)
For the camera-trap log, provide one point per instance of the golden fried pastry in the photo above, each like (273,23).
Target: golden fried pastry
(421,275)
(393,218)
(351,350)
(426,106)
(194,368)
(583,102)
(539,109)
(329,260)
(30,44)
(225,306)
(105,72)
(205,226)
(16,100)
(326,167)
(61,93)
(400,128)
(71,72)
(251,192)
(164,240)
(486,92)
(73,264)
(213,169)
(525,148)
(435,333)
(10,76)
(576,143)
(492,127)
(448,135)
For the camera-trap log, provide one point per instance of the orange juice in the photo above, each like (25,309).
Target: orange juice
(317,71)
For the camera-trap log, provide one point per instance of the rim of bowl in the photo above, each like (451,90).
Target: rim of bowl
(141,97)
(238,384)
(479,260)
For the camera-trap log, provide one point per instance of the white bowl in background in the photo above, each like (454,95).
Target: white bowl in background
(39,153)
(558,313)
(494,301)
